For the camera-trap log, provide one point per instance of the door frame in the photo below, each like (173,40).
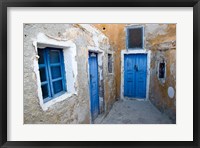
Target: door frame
(127,52)
(100,55)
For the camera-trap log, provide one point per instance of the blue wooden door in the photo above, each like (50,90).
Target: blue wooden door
(135,73)
(94,86)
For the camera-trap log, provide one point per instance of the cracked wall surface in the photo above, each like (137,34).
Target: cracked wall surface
(160,39)
(76,108)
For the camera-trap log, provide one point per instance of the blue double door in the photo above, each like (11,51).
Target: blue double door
(135,75)
(94,85)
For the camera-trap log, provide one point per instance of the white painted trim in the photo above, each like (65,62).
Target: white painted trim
(69,48)
(125,51)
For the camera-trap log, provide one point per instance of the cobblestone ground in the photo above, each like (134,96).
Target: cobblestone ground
(134,112)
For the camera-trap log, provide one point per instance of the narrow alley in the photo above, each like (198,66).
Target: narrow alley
(96,73)
(134,112)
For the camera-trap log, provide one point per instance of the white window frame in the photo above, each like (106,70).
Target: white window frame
(69,52)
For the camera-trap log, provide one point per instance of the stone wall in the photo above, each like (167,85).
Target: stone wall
(75,108)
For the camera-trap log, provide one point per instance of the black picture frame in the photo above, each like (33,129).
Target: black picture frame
(99,3)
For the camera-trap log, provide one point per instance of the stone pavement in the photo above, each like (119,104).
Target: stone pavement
(134,112)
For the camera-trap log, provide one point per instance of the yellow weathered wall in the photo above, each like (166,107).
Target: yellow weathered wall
(116,35)
(161,40)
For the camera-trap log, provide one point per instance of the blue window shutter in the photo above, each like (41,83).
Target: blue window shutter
(44,74)
(53,72)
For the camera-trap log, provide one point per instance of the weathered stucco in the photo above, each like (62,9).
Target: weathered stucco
(116,34)
(161,40)
(159,89)
(75,108)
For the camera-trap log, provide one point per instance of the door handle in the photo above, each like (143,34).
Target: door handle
(136,68)
(91,76)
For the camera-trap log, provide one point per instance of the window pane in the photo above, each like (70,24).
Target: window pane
(42,74)
(55,72)
(135,38)
(41,56)
(45,91)
(54,56)
(161,70)
(109,63)
(57,86)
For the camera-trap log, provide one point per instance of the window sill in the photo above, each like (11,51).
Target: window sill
(111,74)
(57,99)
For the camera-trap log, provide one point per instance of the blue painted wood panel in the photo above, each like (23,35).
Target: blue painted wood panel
(135,73)
(52,72)
(56,70)
(94,85)
(44,75)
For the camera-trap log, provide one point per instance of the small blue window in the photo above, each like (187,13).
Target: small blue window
(52,72)
(134,38)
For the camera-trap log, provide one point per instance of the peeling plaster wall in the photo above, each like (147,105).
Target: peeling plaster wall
(74,108)
(116,35)
(106,38)
(161,40)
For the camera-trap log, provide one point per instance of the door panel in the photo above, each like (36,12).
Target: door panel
(135,73)
(129,77)
(94,91)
